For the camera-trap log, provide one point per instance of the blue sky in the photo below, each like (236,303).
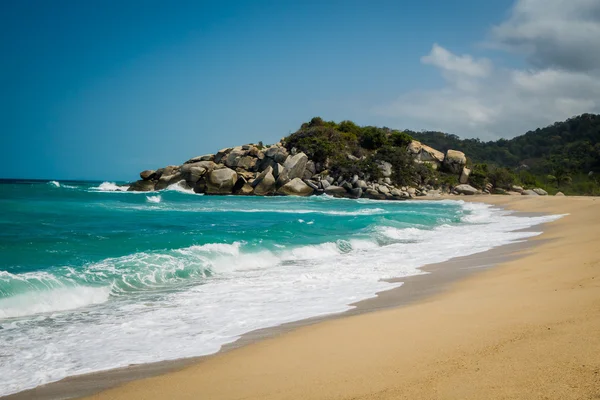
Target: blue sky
(105,89)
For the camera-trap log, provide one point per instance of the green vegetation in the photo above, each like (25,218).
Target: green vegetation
(563,157)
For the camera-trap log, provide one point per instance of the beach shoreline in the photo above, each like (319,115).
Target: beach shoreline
(415,289)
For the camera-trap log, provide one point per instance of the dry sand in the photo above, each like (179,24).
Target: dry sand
(527,329)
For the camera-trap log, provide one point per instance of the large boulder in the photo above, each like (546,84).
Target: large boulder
(295,187)
(385,168)
(194,171)
(529,192)
(426,154)
(166,180)
(540,192)
(246,190)
(168,170)
(455,161)
(295,165)
(221,181)
(559,194)
(141,186)
(465,189)
(464,175)
(148,174)
(516,188)
(277,153)
(266,186)
(336,191)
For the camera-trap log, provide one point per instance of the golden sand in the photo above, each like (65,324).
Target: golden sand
(526,329)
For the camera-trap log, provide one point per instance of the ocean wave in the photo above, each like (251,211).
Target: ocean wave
(110,187)
(52,300)
(170,304)
(180,187)
(153,199)
(54,183)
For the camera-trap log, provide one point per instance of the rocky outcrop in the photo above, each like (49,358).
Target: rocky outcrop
(540,192)
(252,169)
(454,161)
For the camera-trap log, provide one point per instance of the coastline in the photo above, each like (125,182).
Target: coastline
(415,290)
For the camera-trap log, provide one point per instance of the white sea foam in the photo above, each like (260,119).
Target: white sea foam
(181,187)
(238,290)
(54,183)
(110,187)
(59,299)
(153,199)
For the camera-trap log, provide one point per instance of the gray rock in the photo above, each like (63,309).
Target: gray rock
(295,165)
(383,189)
(262,175)
(221,154)
(221,181)
(354,180)
(266,185)
(148,174)
(311,167)
(559,194)
(518,189)
(540,192)
(529,192)
(166,180)
(206,157)
(141,186)
(355,193)
(336,191)
(387,180)
(200,186)
(246,190)
(346,185)
(295,187)
(277,153)
(454,161)
(464,175)
(325,183)
(386,168)
(361,184)
(311,184)
(373,194)
(465,189)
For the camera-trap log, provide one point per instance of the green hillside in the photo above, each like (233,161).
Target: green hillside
(564,156)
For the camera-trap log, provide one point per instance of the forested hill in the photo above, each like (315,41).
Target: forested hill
(570,147)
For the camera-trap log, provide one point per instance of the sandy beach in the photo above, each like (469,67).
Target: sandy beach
(526,329)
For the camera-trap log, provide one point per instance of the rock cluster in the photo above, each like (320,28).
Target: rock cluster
(265,171)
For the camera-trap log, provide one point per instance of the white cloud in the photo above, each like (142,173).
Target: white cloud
(561,42)
(461,65)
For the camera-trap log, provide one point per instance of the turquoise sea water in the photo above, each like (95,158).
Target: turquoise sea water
(92,277)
